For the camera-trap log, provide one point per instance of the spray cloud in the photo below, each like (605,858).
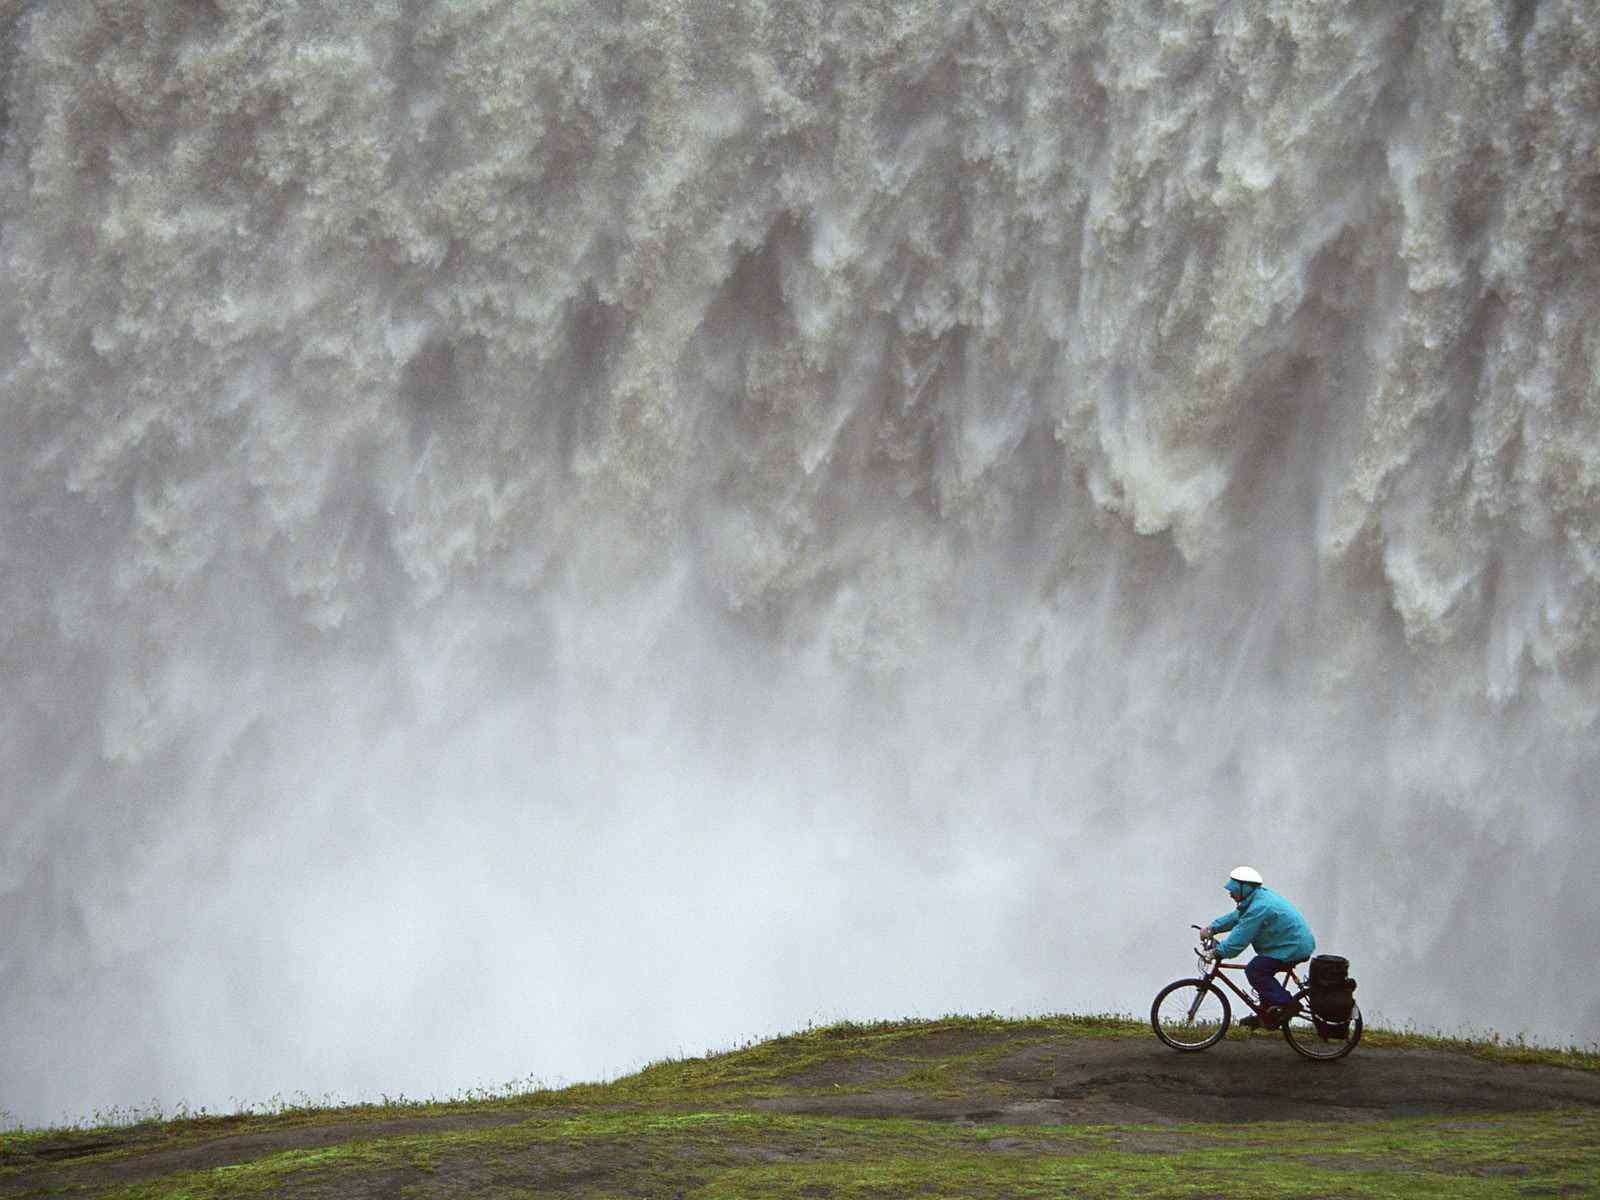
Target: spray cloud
(538,535)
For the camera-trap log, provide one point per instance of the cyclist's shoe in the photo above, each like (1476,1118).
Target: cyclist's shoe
(1250,1022)
(1277,1015)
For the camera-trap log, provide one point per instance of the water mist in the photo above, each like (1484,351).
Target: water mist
(540,535)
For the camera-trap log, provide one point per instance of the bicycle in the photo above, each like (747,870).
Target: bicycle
(1194,1014)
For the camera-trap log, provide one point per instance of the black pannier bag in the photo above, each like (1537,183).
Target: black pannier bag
(1332,995)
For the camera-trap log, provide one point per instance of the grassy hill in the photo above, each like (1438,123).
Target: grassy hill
(979,1107)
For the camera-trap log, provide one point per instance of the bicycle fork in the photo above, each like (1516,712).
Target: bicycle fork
(1199,995)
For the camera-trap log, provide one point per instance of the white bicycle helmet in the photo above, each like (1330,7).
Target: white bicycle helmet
(1247,875)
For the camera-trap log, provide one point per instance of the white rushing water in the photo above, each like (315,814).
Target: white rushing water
(537,535)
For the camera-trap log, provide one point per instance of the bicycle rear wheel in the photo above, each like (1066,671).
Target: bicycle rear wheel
(1191,1014)
(1301,1032)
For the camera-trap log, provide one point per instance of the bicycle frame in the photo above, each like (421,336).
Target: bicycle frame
(1216,974)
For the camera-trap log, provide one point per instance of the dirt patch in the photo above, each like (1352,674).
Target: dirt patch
(883,1102)
(1155,1143)
(1136,1081)
(1013,1143)
(238,1148)
(942,1044)
(1354,1162)
(230,1149)
(1032,1062)
(844,1072)
(1260,1078)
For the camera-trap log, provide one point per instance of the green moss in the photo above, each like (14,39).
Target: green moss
(264,1176)
(716,1155)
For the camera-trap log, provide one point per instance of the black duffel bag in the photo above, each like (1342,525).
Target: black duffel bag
(1332,995)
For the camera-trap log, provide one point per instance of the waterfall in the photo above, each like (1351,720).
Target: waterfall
(538,534)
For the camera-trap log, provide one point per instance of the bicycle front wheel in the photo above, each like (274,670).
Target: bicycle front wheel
(1318,1042)
(1191,1014)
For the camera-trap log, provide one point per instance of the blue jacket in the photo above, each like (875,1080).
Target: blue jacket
(1270,922)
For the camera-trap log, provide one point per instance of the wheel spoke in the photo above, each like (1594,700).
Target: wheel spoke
(1319,1041)
(1189,1015)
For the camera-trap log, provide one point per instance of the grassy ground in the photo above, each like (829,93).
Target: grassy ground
(935,1098)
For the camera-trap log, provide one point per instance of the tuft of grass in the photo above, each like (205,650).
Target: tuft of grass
(1491,1046)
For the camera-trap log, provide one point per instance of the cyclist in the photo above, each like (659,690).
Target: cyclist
(1279,933)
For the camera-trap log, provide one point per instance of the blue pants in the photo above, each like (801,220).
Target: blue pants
(1260,971)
